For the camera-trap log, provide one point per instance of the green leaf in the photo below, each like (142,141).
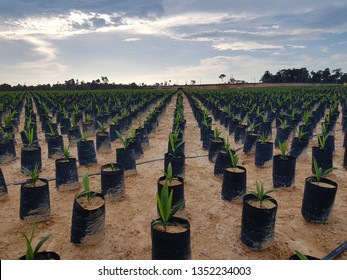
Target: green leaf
(29,134)
(30,253)
(52,131)
(317,170)
(66,152)
(34,175)
(164,197)
(42,241)
(263,137)
(300,255)
(269,191)
(125,141)
(179,144)
(260,193)
(168,206)
(283,147)
(176,208)
(161,208)
(84,136)
(29,250)
(217,132)
(101,126)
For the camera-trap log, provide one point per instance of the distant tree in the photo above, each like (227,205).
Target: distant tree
(337,74)
(70,82)
(133,85)
(95,84)
(326,76)
(316,77)
(104,80)
(302,75)
(343,78)
(267,77)
(222,76)
(192,82)
(5,87)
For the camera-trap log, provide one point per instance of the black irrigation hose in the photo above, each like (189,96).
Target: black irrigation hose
(149,161)
(49,179)
(159,159)
(99,173)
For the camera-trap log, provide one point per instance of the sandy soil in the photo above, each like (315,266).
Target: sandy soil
(215,224)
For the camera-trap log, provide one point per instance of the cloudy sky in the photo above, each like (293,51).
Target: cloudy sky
(46,41)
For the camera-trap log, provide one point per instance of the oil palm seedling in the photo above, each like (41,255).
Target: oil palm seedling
(300,142)
(322,153)
(174,183)
(55,143)
(7,146)
(319,195)
(175,143)
(319,172)
(32,253)
(175,154)
(234,179)
(263,150)
(126,156)
(103,143)
(216,143)
(86,150)
(126,140)
(112,181)
(135,143)
(34,196)
(283,132)
(86,192)
(258,218)
(31,151)
(33,174)
(283,168)
(9,117)
(66,171)
(88,221)
(261,194)
(250,137)
(164,201)
(166,242)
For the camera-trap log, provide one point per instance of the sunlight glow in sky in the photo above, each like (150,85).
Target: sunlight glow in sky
(156,41)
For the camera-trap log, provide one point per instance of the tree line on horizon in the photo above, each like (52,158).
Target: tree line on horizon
(71,84)
(293,75)
(302,75)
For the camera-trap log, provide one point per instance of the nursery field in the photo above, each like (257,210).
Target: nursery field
(215,224)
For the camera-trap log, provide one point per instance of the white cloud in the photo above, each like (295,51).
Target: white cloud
(131,39)
(278,37)
(42,48)
(296,46)
(39,65)
(269,27)
(244,46)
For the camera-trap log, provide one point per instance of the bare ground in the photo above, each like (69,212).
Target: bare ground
(215,224)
